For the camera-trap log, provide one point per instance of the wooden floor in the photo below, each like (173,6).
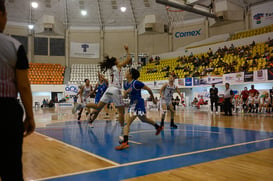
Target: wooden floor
(45,157)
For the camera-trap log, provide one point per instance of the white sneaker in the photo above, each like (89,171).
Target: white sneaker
(216,112)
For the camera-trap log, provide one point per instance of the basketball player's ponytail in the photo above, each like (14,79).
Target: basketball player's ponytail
(107,63)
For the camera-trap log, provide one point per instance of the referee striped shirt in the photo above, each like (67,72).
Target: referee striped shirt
(12,57)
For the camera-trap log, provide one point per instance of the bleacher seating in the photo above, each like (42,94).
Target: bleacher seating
(228,62)
(43,73)
(252,32)
(79,72)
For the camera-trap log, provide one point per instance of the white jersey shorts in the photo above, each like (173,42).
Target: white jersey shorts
(113,94)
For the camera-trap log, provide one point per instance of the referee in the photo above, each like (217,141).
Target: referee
(13,80)
(228,95)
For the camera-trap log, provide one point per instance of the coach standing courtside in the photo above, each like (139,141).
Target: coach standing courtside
(228,95)
(13,79)
(213,97)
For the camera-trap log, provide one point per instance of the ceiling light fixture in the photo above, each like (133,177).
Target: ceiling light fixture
(84,12)
(123,9)
(30,26)
(34,5)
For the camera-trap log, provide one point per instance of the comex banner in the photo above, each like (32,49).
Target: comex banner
(84,50)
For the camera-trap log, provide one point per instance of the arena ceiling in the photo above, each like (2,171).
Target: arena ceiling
(102,12)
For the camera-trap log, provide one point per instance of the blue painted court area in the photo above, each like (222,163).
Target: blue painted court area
(148,153)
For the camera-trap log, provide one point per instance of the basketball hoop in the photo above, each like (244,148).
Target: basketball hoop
(176,16)
(171,9)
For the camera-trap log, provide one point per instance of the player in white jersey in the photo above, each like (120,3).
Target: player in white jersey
(114,91)
(266,103)
(85,93)
(256,102)
(166,93)
(250,102)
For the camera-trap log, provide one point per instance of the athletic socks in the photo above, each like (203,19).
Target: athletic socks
(162,122)
(125,138)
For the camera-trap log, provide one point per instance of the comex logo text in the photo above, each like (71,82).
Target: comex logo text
(188,33)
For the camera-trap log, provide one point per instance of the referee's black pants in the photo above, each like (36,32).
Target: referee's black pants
(11,140)
(228,106)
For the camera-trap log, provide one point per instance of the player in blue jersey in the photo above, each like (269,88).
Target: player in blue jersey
(136,107)
(100,88)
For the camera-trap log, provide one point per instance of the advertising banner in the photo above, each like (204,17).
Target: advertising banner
(270,74)
(188,81)
(215,80)
(196,81)
(234,78)
(262,15)
(248,77)
(71,90)
(260,75)
(84,50)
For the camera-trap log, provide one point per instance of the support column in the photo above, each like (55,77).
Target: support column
(207,28)
(247,19)
(30,48)
(101,44)
(67,48)
(170,35)
(136,48)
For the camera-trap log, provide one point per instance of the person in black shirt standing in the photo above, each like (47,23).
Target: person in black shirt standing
(213,97)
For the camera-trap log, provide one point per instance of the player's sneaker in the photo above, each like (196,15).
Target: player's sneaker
(173,126)
(122,146)
(76,108)
(158,130)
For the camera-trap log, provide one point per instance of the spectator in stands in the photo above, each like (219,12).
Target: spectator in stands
(210,53)
(253,43)
(14,79)
(166,68)
(174,75)
(157,60)
(213,98)
(253,90)
(228,95)
(151,60)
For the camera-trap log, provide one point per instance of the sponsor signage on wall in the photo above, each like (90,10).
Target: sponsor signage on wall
(260,75)
(71,90)
(262,15)
(188,33)
(248,77)
(196,81)
(188,81)
(234,77)
(84,50)
(270,74)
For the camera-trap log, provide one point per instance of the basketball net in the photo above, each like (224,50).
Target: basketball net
(176,16)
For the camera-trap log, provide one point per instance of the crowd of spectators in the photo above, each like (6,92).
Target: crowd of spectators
(224,60)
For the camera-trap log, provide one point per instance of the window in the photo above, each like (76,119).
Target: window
(57,47)
(40,46)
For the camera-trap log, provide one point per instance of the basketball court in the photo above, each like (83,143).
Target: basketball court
(201,139)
